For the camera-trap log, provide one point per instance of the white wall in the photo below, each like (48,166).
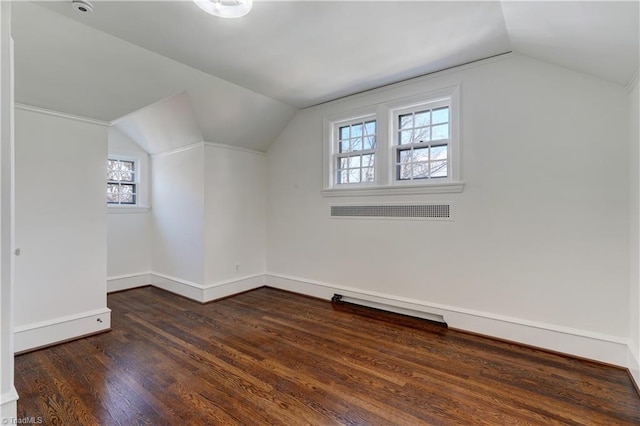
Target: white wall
(8,395)
(177,197)
(538,251)
(129,229)
(634,296)
(60,228)
(208,216)
(235,218)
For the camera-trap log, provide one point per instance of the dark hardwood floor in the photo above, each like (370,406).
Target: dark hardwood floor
(271,357)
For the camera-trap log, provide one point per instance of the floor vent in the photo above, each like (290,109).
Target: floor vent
(441,211)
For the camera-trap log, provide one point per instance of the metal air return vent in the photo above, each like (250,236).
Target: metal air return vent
(434,211)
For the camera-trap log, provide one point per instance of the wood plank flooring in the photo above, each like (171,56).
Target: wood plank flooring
(271,357)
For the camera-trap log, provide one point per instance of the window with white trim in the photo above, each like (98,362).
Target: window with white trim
(408,145)
(122,182)
(355,153)
(421,141)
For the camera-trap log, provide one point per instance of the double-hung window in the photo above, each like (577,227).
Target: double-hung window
(355,151)
(421,142)
(402,146)
(122,182)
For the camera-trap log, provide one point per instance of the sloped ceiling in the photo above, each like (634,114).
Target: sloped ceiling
(69,67)
(597,38)
(306,52)
(163,126)
(240,81)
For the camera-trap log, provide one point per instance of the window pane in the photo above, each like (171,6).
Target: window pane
(440,115)
(126,176)
(345,146)
(369,142)
(422,118)
(127,198)
(423,134)
(440,132)
(421,154)
(370,128)
(367,160)
(127,189)
(126,166)
(344,132)
(439,169)
(420,170)
(405,156)
(342,176)
(354,176)
(368,174)
(113,195)
(404,171)
(112,165)
(356,130)
(113,176)
(354,162)
(356,144)
(405,121)
(405,137)
(439,152)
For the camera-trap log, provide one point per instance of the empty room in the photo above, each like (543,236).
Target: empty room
(247,212)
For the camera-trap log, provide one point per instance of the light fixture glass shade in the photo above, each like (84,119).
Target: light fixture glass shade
(225,8)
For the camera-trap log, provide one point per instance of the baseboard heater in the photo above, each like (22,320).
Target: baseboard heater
(428,316)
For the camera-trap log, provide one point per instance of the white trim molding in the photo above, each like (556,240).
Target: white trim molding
(8,405)
(595,346)
(235,148)
(209,144)
(431,188)
(57,330)
(61,114)
(128,281)
(633,364)
(177,150)
(208,292)
(127,209)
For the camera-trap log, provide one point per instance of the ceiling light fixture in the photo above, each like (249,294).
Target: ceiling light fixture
(225,8)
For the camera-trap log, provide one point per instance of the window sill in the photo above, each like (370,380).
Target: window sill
(127,209)
(434,188)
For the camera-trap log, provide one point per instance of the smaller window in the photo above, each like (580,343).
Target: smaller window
(354,156)
(122,180)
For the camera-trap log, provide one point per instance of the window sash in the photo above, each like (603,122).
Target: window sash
(405,123)
(366,138)
(118,196)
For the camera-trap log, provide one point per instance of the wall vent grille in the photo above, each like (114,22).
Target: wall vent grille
(441,211)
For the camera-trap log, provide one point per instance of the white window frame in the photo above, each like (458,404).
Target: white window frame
(386,115)
(332,127)
(141,182)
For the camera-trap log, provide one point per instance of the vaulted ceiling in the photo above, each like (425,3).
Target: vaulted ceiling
(167,73)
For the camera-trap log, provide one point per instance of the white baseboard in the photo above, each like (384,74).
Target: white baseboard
(230,287)
(184,288)
(209,292)
(8,406)
(36,335)
(604,348)
(129,281)
(633,364)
